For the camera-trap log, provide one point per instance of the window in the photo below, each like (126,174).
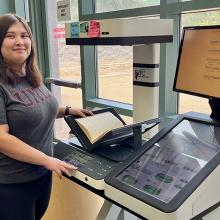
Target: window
(188,102)
(172,9)
(115,67)
(114,5)
(69,69)
(65,64)
(115,72)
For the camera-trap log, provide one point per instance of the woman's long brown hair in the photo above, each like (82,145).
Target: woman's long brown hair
(7,75)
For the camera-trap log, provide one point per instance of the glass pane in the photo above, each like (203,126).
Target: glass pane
(201,18)
(69,97)
(176,1)
(115,67)
(188,102)
(114,5)
(69,69)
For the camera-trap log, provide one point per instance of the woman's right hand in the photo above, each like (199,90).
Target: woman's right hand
(59,166)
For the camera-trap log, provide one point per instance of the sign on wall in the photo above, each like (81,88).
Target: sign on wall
(64,10)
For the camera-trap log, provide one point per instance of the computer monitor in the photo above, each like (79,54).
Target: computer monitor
(198,66)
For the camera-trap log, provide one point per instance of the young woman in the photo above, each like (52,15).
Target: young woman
(27,114)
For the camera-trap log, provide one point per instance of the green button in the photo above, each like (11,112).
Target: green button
(152,190)
(164,178)
(129,180)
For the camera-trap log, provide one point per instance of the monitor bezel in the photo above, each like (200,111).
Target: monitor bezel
(178,199)
(179,58)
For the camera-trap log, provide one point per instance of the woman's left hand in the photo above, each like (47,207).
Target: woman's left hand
(80,112)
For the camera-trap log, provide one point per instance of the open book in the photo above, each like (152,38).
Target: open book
(106,128)
(96,126)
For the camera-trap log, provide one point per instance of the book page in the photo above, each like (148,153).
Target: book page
(98,125)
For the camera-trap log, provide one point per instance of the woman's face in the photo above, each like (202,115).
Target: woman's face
(16,46)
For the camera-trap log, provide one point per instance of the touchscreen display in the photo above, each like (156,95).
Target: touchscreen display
(170,164)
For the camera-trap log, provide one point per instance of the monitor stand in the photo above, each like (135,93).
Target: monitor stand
(215,107)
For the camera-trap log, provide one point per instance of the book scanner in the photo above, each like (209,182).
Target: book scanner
(96,160)
(176,175)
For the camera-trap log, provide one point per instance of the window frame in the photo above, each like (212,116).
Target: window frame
(168,100)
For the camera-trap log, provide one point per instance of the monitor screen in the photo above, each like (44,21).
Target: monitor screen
(171,163)
(198,67)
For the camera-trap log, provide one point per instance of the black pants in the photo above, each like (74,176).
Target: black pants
(25,201)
